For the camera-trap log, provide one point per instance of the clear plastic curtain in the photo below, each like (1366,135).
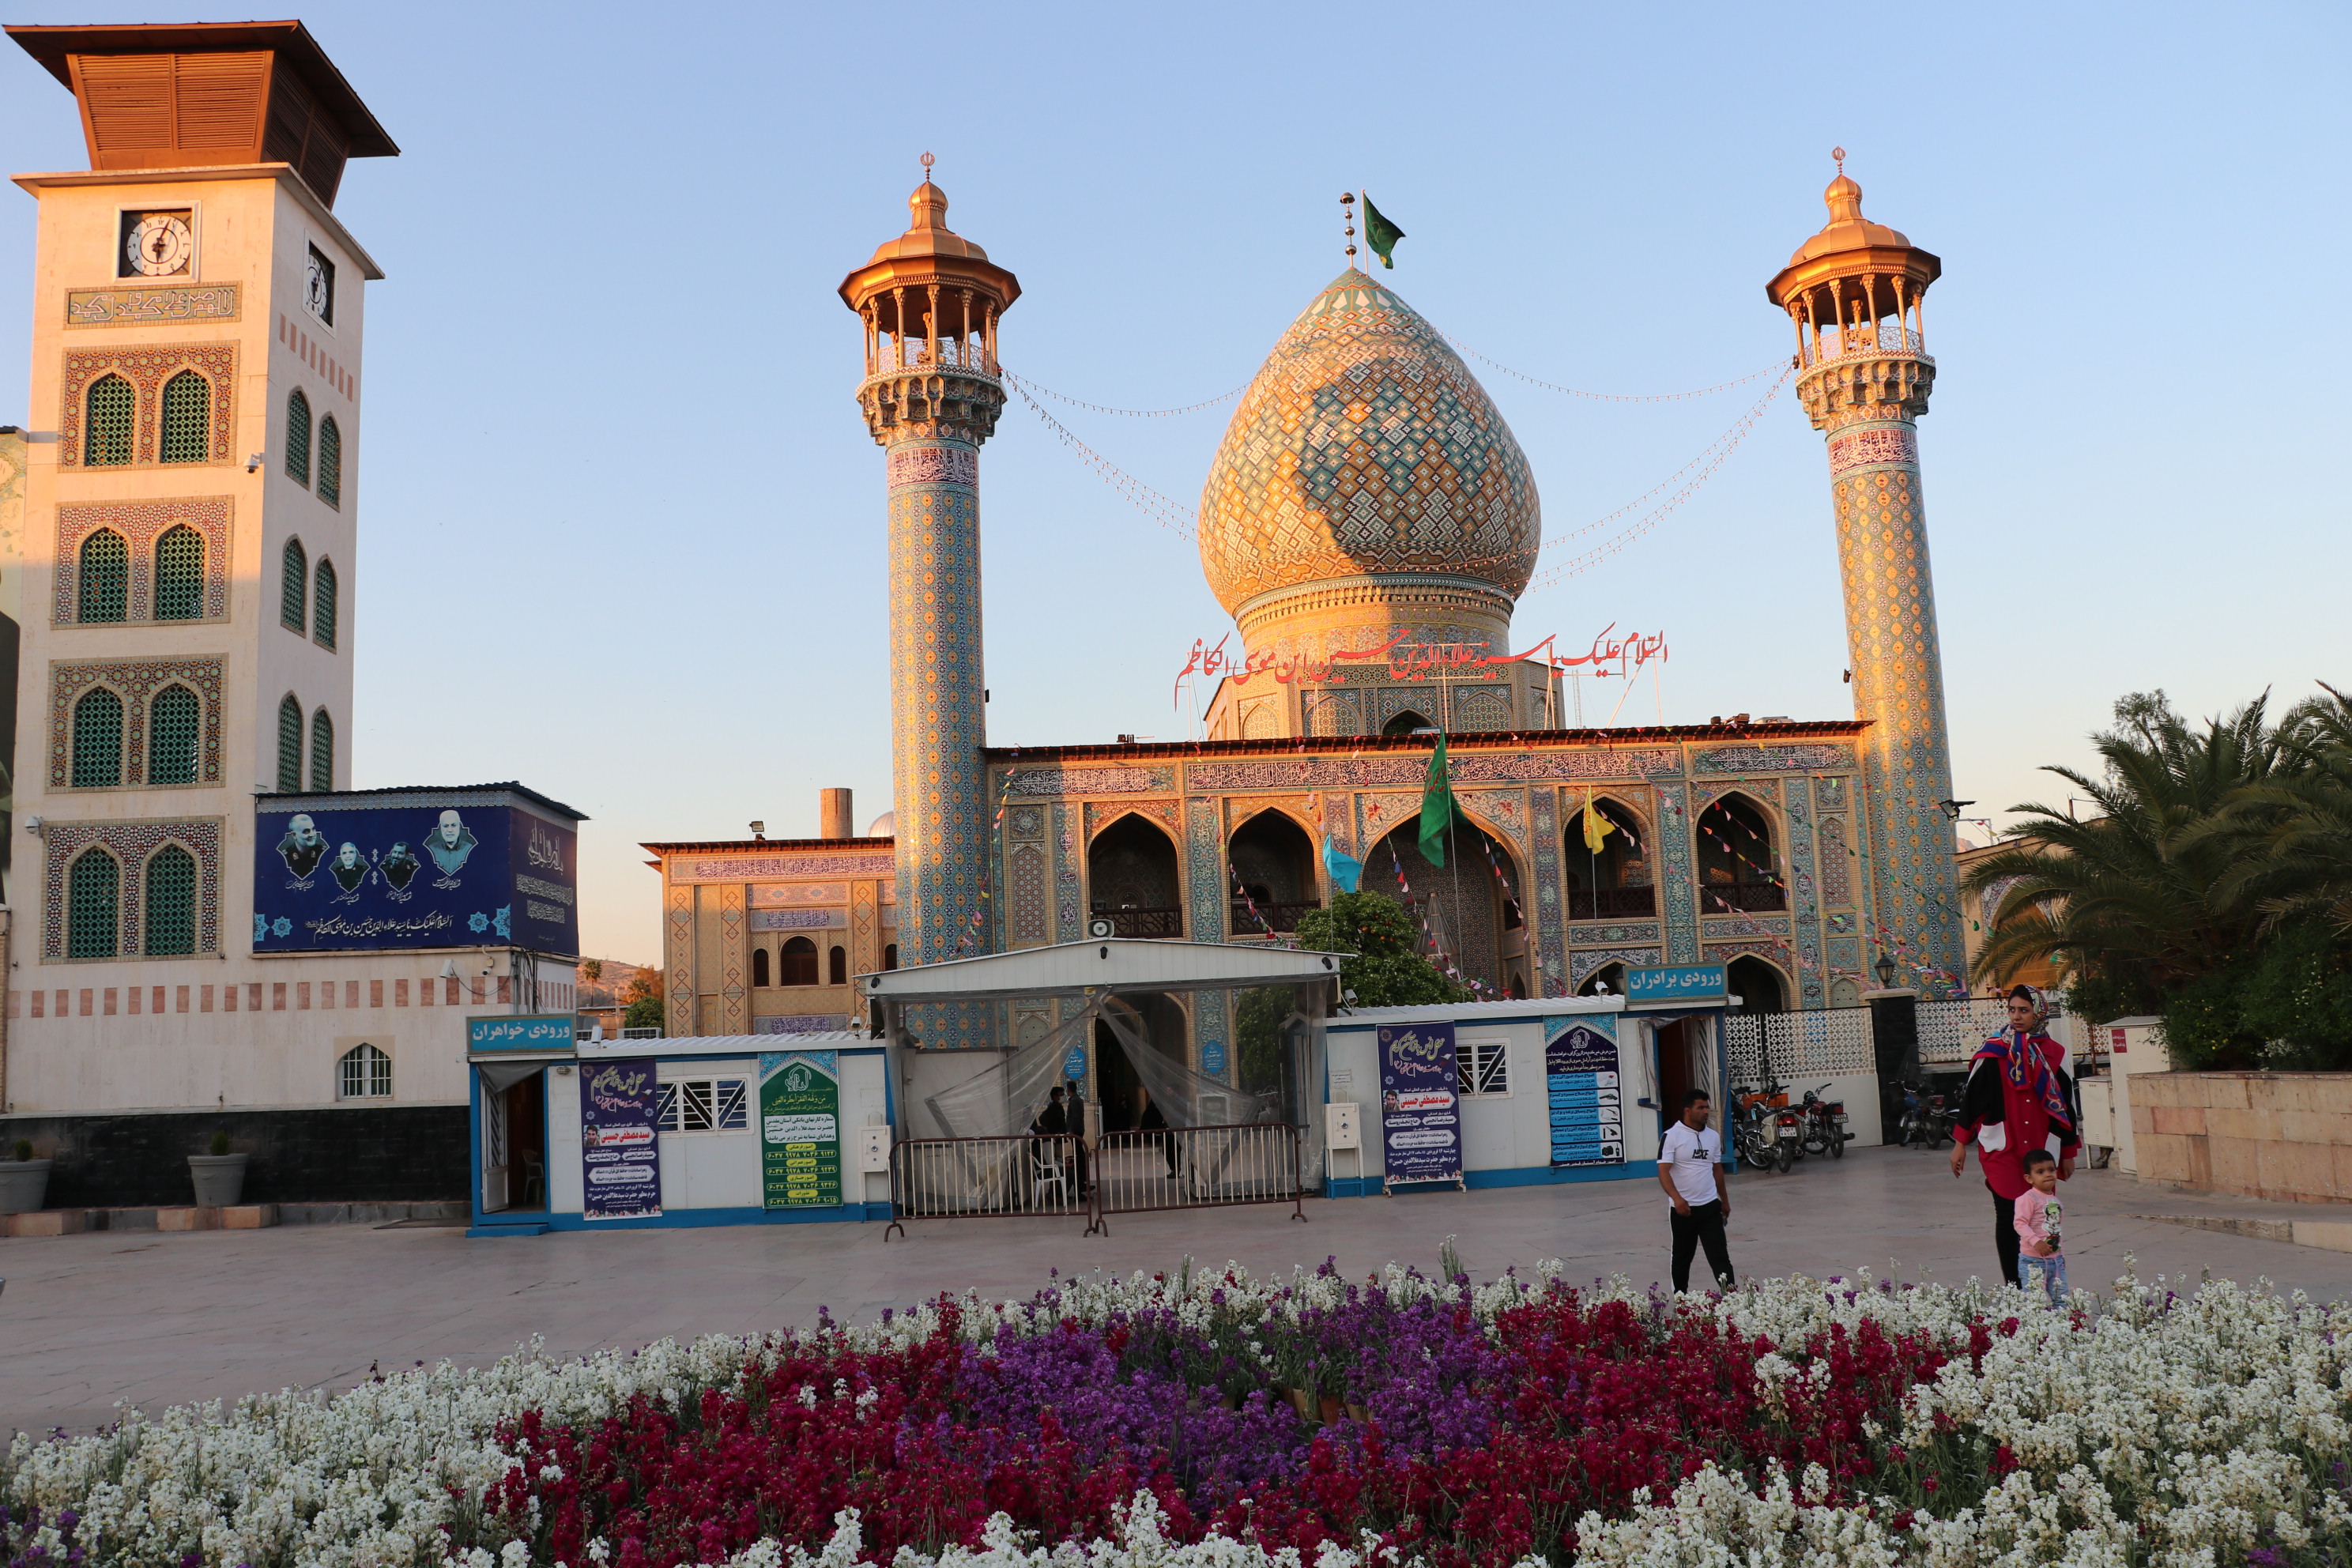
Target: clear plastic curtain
(1003,1099)
(1185,1098)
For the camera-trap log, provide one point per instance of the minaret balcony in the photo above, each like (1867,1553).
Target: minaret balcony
(956,400)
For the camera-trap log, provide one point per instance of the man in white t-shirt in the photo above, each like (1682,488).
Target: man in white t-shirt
(1690,1167)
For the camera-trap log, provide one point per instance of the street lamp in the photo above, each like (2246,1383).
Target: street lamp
(1952,808)
(1886,967)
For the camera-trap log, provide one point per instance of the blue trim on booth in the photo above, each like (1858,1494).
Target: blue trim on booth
(690,1219)
(1516,1176)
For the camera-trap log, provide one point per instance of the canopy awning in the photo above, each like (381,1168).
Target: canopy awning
(1115,963)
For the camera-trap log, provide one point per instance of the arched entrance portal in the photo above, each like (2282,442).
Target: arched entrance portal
(1757,986)
(1157,1017)
(1475,915)
(1274,863)
(1131,879)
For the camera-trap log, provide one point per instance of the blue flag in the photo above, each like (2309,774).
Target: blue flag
(1345,869)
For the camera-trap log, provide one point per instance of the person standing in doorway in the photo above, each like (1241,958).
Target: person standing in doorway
(1690,1167)
(2018,1093)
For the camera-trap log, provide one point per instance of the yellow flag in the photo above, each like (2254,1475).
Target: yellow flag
(1596,827)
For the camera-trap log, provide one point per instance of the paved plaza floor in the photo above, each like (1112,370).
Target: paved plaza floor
(155,1319)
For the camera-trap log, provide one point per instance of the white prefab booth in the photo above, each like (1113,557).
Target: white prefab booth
(1524,1121)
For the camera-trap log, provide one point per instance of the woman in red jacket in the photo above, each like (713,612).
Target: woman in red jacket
(2018,1093)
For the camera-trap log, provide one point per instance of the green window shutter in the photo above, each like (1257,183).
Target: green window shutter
(322,604)
(170,924)
(108,411)
(293,580)
(289,747)
(98,740)
(323,751)
(298,438)
(103,586)
(187,418)
(179,575)
(93,917)
(330,462)
(173,719)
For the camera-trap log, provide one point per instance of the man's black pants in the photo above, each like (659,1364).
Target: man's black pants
(1703,1227)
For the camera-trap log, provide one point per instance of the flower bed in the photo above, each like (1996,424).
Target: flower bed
(1214,1420)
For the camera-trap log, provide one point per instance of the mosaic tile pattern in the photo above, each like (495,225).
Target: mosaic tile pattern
(1899,684)
(749,868)
(1585,965)
(141,523)
(144,306)
(136,681)
(1674,875)
(678,963)
(1052,781)
(1548,918)
(936,697)
(1804,895)
(147,368)
(1207,901)
(1365,445)
(734,990)
(132,843)
(1800,759)
(1069,882)
(1592,934)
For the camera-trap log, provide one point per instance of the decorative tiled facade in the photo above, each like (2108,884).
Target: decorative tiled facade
(132,843)
(147,368)
(1675,882)
(136,681)
(140,524)
(146,305)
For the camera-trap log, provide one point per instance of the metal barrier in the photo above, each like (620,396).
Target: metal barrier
(1196,1168)
(1123,1173)
(942,1178)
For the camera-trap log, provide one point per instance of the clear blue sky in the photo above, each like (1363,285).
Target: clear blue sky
(621,529)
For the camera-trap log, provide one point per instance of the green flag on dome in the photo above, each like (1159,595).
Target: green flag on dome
(1439,811)
(1380,233)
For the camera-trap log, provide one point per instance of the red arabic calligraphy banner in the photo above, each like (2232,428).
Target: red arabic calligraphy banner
(1403,661)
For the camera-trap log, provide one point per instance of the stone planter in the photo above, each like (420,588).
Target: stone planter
(24,1186)
(2286,1136)
(219,1178)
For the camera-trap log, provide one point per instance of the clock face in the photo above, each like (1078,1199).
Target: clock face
(159,245)
(319,286)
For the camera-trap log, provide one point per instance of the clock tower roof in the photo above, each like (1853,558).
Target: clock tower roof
(205,94)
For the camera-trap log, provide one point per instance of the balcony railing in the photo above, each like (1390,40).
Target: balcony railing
(1611,903)
(1144,922)
(1741,897)
(1276,917)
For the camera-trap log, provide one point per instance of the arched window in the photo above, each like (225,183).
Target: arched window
(760,966)
(179,575)
(173,719)
(297,438)
(104,583)
(330,462)
(890,957)
(170,924)
(323,751)
(322,604)
(796,964)
(1738,870)
(98,740)
(93,922)
(107,415)
(1405,723)
(837,968)
(294,586)
(289,747)
(363,1072)
(187,418)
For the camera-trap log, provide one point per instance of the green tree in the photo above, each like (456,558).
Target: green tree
(2292,836)
(1386,968)
(642,999)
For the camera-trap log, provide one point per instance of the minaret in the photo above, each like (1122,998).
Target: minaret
(1854,293)
(930,302)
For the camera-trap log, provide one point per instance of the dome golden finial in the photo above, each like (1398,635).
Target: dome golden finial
(929,203)
(1844,196)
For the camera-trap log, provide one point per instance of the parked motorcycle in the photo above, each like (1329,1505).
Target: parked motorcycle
(1754,1133)
(1789,1137)
(1824,1124)
(1926,1119)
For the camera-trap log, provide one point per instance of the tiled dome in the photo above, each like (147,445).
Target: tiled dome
(1365,447)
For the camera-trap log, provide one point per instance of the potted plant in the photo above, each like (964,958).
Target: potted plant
(24,1181)
(219,1175)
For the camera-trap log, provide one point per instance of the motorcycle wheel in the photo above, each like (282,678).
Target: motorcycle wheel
(1837,1145)
(1783,1158)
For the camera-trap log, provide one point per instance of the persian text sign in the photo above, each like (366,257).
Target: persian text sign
(799,1128)
(1683,983)
(1397,660)
(1587,1099)
(381,877)
(1421,1117)
(539,1032)
(619,1155)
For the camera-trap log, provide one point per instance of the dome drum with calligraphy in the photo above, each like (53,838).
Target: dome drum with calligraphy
(1365,458)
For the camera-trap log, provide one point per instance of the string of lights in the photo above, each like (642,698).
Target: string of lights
(1134,413)
(1605,397)
(1168,513)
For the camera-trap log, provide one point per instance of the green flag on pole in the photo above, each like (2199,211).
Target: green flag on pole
(1380,233)
(1438,810)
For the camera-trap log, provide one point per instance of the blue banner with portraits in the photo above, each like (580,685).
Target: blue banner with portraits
(371,877)
(1421,1112)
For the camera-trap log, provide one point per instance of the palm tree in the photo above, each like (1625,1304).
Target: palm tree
(2292,836)
(2139,899)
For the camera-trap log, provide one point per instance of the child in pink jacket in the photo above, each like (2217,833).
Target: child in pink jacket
(2041,1266)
